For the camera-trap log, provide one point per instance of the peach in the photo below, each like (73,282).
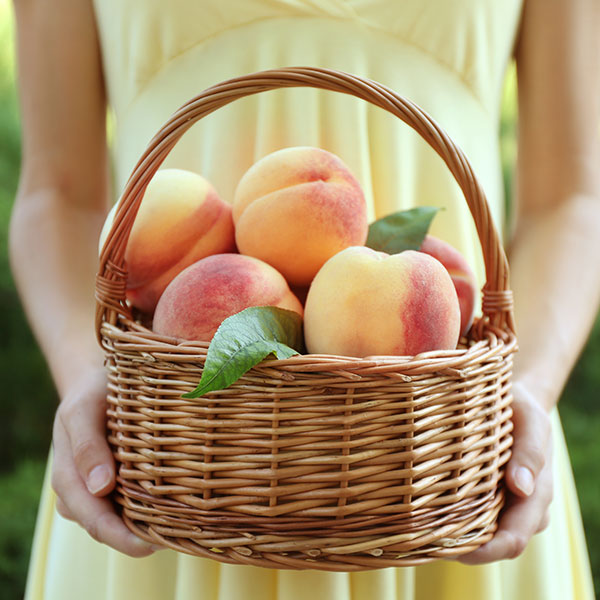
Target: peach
(363,302)
(181,219)
(214,288)
(297,207)
(461,274)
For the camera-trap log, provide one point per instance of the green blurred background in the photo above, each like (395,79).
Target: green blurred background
(29,399)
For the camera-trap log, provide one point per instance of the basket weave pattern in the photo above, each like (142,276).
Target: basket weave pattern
(320,462)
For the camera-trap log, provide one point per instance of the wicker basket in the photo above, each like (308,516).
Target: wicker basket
(314,462)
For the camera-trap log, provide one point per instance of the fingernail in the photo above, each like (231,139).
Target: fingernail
(98,479)
(524,480)
(140,544)
(144,545)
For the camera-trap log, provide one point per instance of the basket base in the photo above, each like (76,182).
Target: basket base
(355,552)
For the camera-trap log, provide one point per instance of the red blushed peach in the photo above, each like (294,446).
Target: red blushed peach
(181,219)
(197,301)
(297,207)
(461,274)
(364,303)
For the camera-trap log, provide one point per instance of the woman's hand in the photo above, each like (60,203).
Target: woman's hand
(56,221)
(83,469)
(529,482)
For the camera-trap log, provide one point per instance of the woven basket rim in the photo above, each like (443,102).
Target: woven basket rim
(493,339)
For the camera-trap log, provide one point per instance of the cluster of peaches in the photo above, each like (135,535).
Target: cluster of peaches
(294,237)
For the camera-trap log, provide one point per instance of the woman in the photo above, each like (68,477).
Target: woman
(145,60)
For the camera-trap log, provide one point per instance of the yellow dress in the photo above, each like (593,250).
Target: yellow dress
(447,56)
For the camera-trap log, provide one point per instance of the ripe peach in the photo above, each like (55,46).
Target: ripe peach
(297,207)
(461,274)
(214,288)
(363,302)
(181,219)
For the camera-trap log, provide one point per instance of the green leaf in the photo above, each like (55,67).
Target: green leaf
(403,230)
(245,339)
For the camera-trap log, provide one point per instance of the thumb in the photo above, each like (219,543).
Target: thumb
(531,434)
(83,416)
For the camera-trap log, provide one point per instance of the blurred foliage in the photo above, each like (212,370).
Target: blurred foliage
(20,495)
(580,414)
(508,141)
(29,398)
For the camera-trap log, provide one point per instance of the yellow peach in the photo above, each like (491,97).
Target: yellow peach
(181,219)
(364,303)
(297,207)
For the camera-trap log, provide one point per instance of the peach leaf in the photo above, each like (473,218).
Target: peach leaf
(244,340)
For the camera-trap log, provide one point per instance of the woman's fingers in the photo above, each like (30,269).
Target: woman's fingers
(75,502)
(531,435)
(82,415)
(544,522)
(521,520)
(83,467)
(62,510)
(528,478)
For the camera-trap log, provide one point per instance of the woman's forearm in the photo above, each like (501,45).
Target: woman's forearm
(54,258)
(555,254)
(62,194)
(555,275)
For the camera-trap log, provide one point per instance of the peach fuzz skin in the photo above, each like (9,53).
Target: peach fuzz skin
(197,301)
(461,274)
(181,219)
(365,303)
(297,207)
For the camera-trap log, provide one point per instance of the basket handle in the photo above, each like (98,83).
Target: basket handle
(111,279)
